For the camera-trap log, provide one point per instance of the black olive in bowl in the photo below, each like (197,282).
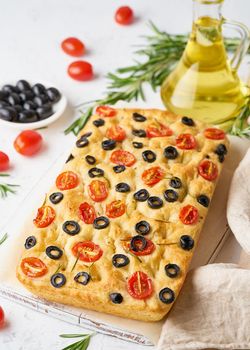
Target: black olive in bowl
(30,103)
(27,117)
(8,113)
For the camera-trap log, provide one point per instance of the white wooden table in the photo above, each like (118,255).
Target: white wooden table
(30,36)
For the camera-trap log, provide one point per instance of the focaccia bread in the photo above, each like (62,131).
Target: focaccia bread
(117,231)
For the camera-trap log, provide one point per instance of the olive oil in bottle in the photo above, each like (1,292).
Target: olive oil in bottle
(205,84)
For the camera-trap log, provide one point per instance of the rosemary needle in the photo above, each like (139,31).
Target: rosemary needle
(3,239)
(79,345)
(161,53)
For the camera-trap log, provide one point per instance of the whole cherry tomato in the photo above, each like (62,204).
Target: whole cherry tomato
(66,180)
(189,215)
(44,217)
(214,134)
(1,317)
(87,251)
(87,213)
(28,142)
(122,157)
(124,15)
(139,285)
(4,161)
(33,267)
(158,131)
(153,175)
(105,111)
(185,141)
(73,47)
(98,190)
(116,133)
(208,170)
(80,70)
(115,209)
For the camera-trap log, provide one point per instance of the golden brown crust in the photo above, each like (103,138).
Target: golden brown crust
(165,224)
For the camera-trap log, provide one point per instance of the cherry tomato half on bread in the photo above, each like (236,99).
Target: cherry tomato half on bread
(150,247)
(116,133)
(73,47)
(214,134)
(185,141)
(87,251)
(80,70)
(122,158)
(153,175)
(189,215)
(33,267)
(124,15)
(1,317)
(115,209)
(158,131)
(44,217)
(66,180)
(87,213)
(98,190)
(105,111)
(4,161)
(139,285)
(208,170)
(28,142)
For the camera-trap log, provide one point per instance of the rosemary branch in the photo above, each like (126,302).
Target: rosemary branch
(6,188)
(160,55)
(240,127)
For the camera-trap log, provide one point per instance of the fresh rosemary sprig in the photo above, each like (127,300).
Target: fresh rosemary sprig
(240,127)
(161,53)
(3,239)
(79,345)
(6,188)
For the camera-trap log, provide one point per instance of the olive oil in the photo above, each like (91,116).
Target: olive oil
(204,85)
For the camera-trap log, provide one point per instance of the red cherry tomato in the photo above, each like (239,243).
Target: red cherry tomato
(98,190)
(189,215)
(28,142)
(87,213)
(150,247)
(80,70)
(158,131)
(33,267)
(44,217)
(87,251)
(153,175)
(208,170)
(1,317)
(73,47)
(185,141)
(122,158)
(4,161)
(214,134)
(115,209)
(116,133)
(105,111)
(140,286)
(124,15)
(66,180)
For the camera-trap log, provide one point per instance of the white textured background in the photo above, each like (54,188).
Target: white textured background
(30,36)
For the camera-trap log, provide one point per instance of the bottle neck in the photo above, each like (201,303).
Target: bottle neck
(207,8)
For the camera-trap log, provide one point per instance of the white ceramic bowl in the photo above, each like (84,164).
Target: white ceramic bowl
(58,108)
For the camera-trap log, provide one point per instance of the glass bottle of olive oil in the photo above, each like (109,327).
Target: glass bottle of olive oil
(205,84)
